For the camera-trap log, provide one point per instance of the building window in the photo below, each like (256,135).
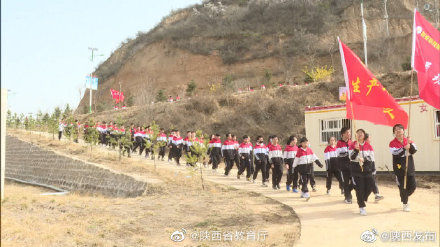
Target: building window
(437,124)
(332,127)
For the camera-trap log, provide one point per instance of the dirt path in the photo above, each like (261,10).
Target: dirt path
(327,221)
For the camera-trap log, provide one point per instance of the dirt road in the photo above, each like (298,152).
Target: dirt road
(327,221)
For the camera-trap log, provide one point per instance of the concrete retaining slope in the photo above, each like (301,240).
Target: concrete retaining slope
(30,163)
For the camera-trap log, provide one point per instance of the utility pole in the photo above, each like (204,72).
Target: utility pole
(386,17)
(364,33)
(92,49)
(120,91)
(437,19)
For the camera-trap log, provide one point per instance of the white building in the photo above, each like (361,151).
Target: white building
(324,122)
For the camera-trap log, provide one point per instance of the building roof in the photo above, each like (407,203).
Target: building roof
(316,108)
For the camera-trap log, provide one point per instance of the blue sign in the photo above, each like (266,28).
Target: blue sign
(92,82)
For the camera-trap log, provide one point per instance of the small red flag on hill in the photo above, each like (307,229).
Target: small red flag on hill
(367,99)
(426,59)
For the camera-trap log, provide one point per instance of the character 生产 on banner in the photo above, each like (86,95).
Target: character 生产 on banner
(366,98)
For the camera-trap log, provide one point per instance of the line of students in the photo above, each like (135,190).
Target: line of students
(352,163)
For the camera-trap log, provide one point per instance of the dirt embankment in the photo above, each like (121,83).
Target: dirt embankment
(30,219)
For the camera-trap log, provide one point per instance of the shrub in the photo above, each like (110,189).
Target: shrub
(160,97)
(318,73)
(190,88)
(406,65)
(130,100)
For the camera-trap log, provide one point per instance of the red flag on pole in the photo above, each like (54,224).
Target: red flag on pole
(367,99)
(425,59)
(115,95)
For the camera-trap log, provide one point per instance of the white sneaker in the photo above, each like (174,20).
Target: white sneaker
(328,192)
(307,196)
(362,211)
(406,208)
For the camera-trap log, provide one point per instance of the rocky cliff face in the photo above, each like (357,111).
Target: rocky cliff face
(247,40)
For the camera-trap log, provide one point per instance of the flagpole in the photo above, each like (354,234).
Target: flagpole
(364,33)
(92,49)
(120,91)
(410,98)
(409,124)
(354,127)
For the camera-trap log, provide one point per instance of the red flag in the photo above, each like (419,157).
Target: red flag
(367,99)
(115,94)
(426,59)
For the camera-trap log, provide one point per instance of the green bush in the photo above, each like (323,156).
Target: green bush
(160,97)
(190,88)
(406,65)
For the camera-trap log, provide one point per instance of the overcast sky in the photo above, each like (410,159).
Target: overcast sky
(44,44)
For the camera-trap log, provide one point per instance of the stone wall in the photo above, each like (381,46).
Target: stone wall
(30,163)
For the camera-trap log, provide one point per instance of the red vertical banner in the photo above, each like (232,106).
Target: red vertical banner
(425,59)
(367,99)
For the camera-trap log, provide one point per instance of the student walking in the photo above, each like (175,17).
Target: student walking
(401,146)
(344,162)
(362,166)
(260,159)
(304,160)
(245,156)
(289,156)
(331,165)
(276,162)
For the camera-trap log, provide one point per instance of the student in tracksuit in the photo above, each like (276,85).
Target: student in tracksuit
(377,196)
(260,160)
(138,140)
(208,151)
(177,147)
(187,143)
(362,166)
(401,146)
(102,132)
(148,142)
(170,145)
(162,140)
(245,153)
(304,160)
(215,151)
(344,162)
(228,153)
(289,156)
(276,162)
(331,165)
(237,156)
(269,143)
(61,126)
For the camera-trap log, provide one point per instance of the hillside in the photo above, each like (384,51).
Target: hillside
(246,40)
(277,111)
